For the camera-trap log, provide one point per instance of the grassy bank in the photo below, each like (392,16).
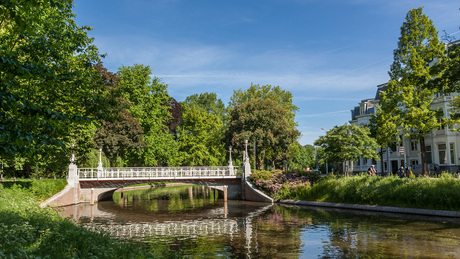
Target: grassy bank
(426,193)
(28,231)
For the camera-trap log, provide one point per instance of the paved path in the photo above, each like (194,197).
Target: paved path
(437,213)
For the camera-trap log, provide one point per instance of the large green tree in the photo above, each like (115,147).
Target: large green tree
(282,98)
(209,103)
(264,122)
(46,78)
(348,143)
(408,95)
(200,138)
(150,104)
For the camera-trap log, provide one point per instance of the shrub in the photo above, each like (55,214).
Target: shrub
(281,185)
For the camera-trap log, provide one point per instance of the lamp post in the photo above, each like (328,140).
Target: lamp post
(99,165)
(327,169)
(72,158)
(230,162)
(246,157)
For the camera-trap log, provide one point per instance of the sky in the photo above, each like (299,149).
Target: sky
(329,54)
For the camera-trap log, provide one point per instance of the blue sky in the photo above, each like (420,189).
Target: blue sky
(329,54)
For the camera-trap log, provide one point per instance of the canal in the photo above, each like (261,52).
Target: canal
(196,221)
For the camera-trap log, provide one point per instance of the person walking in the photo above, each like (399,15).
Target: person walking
(371,171)
(402,172)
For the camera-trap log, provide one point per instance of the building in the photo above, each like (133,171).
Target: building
(442,145)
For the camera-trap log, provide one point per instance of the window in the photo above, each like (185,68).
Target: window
(429,158)
(413,145)
(442,153)
(452,154)
(385,165)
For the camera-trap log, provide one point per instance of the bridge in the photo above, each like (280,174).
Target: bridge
(95,184)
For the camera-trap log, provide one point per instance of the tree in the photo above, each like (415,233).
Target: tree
(383,132)
(301,157)
(200,138)
(150,104)
(120,136)
(46,79)
(209,103)
(348,143)
(409,93)
(449,82)
(264,122)
(266,92)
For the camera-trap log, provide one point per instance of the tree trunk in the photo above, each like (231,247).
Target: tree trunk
(261,158)
(381,162)
(425,170)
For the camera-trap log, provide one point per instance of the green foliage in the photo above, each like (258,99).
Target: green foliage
(38,70)
(200,138)
(150,105)
(38,189)
(92,160)
(421,192)
(209,103)
(264,122)
(348,142)
(405,104)
(301,157)
(265,92)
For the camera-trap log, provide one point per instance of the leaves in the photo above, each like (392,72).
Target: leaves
(348,142)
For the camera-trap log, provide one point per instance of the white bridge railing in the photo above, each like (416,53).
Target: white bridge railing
(160,172)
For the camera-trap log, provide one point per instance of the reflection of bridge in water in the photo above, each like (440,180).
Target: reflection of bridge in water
(191,228)
(221,223)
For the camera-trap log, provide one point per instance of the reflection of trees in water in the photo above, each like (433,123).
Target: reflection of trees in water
(173,199)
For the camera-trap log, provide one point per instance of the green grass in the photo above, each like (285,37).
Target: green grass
(38,189)
(28,231)
(427,193)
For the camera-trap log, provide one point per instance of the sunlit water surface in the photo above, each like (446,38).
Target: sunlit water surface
(195,221)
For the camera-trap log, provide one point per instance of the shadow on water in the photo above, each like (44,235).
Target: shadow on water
(196,222)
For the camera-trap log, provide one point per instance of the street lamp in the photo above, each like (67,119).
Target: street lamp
(327,169)
(230,162)
(99,165)
(72,158)
(246,157)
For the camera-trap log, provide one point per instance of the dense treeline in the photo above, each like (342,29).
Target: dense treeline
(57,98)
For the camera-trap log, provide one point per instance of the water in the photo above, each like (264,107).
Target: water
(195,221)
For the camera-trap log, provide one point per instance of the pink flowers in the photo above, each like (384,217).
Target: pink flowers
(279,184)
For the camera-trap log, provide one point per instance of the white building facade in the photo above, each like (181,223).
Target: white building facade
(442,145)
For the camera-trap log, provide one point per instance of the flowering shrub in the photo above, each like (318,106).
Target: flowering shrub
(282,185)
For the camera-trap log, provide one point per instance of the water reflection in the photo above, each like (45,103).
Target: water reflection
(195,221)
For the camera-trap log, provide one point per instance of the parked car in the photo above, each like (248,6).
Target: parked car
(417,169)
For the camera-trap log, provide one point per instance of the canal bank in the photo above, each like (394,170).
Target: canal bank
(412,211)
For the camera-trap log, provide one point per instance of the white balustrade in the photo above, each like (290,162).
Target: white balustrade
(158,172)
